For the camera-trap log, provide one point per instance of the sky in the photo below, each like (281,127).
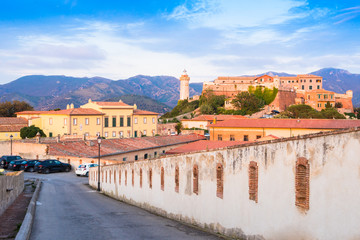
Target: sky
(209,38)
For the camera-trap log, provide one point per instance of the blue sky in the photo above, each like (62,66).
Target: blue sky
(209,38)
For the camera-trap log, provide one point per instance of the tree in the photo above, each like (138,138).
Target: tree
(338,105)
(30,132)
(306,111)
(178,127)
(247,102)
(328,105)
(8,109)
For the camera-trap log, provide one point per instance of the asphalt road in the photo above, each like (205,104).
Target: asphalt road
(68,209)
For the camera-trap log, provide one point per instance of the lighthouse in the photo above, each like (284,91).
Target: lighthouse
(184,86)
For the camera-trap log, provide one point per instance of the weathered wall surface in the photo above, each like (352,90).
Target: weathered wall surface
(283,100)
(333,196)
(11,186)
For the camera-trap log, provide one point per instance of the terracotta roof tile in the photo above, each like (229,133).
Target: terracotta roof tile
(143,112)
(12,120)
(117,146)
(72,111)
(218,117)
(288,123)
(115,104)
(204,145)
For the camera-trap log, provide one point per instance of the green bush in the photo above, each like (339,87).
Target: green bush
(30,132)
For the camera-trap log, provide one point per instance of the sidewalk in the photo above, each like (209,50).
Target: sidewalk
(12,218)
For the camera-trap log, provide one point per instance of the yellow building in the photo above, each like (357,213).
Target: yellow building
(123,120)
(71,121)
(10,126)
(253,129)
(107,119)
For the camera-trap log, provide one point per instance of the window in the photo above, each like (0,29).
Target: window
(106,123)
(150,178)
(232,138)
(140,178)
(331,96)
(310,80)
(135,133)
(106,134)
(196,179)
(50,134)
(318,80)
(136,157)
(153,120)
(302,183)
(258,136)
(125,177)
(302,87)
(144,132)
(246,137)
(50,121)
(319,96)
(253,181)
(86,121)
(121,121)
(304,80)
(219,181)
(128,121)
(132,177)
(219,137)
(310,87)
(75,121)
(124,159)
(318,86)
(145,156)
(135,120)
(145,120)
(65,121)
(114,134)
(114,121)
(177,179)
(162,179)
(319,104)
(325,96)
(97,121)
(155,154)
(121,134)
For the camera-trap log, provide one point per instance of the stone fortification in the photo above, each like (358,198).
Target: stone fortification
(302,187)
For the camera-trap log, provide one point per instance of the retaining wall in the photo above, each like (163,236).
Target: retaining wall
(11,185)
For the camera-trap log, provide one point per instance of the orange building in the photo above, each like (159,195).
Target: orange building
(303,82)
(253,129)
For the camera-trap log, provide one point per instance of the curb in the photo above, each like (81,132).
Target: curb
(25,229)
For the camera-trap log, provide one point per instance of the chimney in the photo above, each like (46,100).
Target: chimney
(67,106)
(71,106)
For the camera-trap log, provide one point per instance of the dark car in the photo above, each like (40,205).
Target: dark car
(48,166)
(29,166)
(5,160)
(16,165)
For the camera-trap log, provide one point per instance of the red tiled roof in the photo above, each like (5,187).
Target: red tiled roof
(12,120)
(218,117)
(12,128)
(308,75)
(117,146)
(72,111)
(288,123)
(115,104)
(204,145)
(143,112)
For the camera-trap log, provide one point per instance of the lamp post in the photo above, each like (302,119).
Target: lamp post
(11,137)
(99,143)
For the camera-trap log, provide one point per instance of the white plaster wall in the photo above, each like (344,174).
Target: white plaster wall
(334,188)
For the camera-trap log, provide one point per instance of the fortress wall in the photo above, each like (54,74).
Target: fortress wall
(307,187)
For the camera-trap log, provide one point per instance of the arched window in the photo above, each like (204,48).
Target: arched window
(253,181)
(196,179)
(162,178)
(150,178)
(132,177)
(302,183)
(125,177)
(140,178)
(176,179)
(219,180)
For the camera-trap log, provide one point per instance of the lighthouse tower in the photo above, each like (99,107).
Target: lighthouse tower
(184,86)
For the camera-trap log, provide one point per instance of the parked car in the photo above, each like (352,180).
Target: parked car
(5,160)
(50,165)
(29,166)
(83,169)
(15,165)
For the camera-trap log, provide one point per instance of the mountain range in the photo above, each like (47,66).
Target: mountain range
(50,92)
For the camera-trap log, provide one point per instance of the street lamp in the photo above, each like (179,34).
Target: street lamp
(11,137)
(99,143)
